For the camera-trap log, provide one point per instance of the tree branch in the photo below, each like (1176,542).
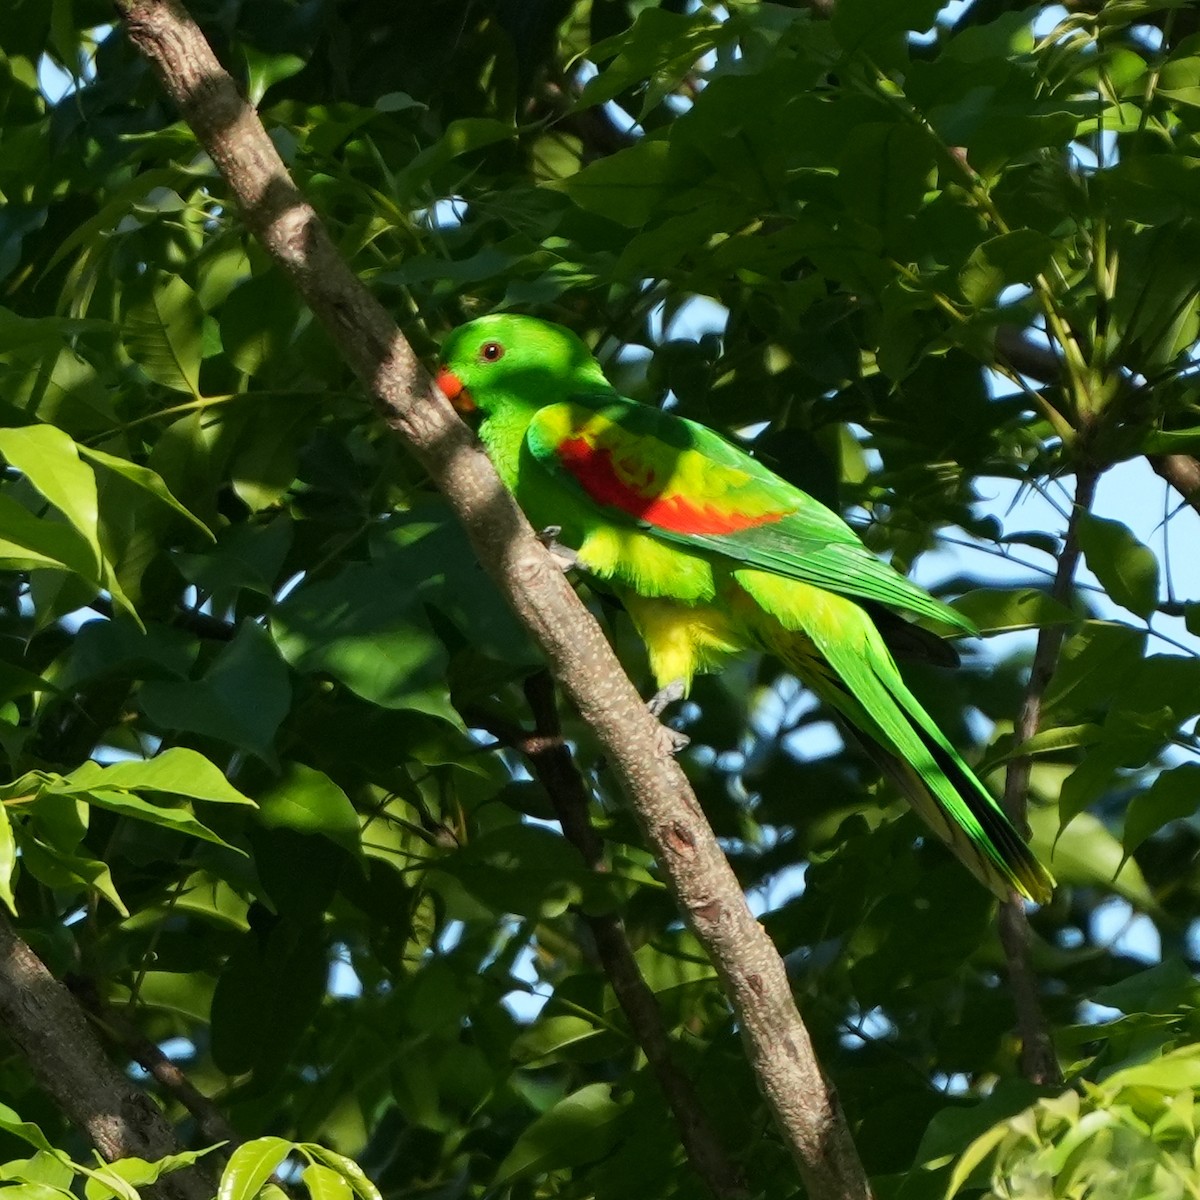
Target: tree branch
(1038,1061)
(48,1026)
(806,1107)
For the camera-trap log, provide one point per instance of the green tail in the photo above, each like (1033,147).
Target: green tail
(859,678)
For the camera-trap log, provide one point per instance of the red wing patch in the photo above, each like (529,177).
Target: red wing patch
(635,489)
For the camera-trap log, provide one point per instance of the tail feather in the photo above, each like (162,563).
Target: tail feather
(832,644)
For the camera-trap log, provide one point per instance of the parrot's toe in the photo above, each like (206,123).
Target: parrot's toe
(564,556)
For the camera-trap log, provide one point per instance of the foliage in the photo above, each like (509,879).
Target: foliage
(223,582)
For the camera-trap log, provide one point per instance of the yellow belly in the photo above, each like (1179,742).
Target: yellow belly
(683,639)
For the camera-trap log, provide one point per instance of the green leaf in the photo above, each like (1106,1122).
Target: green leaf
(1016,257)
(975,1154)
(129,804)
(36,1190)
(627,186)
(241,699)
(346,1167)
(118,204)
(59,869)
(1175,1072)
(10,1122)
(1064,737)
(395,102)
(1172,441)
(28,542)
(8,860)
(268,994)
(250,1166)
(324,1183)
(246,556)
(461,137)
(431,554)
(48,458)
(146,479)
(1163,988)
(660,48)
(42,1167)
(883,171)
(861,24)
(547,1037)
(118,647)
(373,638)
(178,772)
(265,70)
(1086,853)
(1178,81)
(997,610)
(579,1129)
(1094,664)
(1174,795)
(163,333)
(1126,568)
(524,869)
(258,321)
(308,801)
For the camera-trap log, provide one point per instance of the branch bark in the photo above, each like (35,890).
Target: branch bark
(48,1026)
(806,1107)
(1038,1061)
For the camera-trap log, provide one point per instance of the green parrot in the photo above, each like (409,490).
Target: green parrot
(712,554)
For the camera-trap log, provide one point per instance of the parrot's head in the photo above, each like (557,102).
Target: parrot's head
(503,361)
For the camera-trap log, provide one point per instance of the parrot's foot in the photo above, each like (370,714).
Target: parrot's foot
(566,558)
(669,741)
(665,695)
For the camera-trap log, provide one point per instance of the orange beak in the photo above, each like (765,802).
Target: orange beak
(452,388)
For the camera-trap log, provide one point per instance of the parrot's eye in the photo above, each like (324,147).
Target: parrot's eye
(491,352)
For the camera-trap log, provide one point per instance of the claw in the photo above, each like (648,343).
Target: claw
(669,742)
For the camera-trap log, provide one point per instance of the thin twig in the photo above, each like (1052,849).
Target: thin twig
(1038,1061)
(550,759)
(807,1111)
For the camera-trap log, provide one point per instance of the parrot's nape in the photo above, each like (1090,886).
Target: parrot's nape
(712,554)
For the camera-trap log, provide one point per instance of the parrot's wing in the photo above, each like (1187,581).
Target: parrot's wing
(686,484)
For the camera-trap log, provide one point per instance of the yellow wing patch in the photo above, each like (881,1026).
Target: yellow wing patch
(652,567)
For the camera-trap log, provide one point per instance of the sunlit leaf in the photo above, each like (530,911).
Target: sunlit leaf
(178,772)
(48,458)
(250,1166)
(308,801)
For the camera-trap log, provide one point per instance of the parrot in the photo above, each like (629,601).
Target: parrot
(714,555)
